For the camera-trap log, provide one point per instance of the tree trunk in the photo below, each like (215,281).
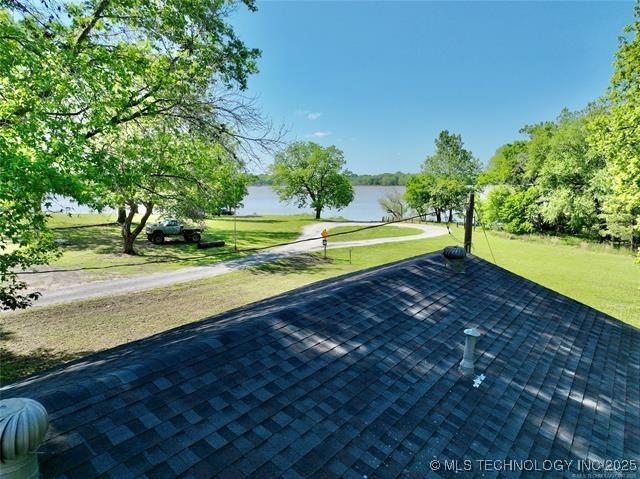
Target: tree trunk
(438,216)
(128,235)
(128,240)
(450,216)
(122,215)
(318,211)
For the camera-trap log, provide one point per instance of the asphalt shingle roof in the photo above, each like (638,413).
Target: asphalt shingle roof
(353,377)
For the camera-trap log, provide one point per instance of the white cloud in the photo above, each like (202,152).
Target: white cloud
(318,134)
(308,114)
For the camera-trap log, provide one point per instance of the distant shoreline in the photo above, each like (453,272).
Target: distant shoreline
(263,200)
(382,179)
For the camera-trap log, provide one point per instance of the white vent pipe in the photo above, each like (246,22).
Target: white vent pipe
(467,365)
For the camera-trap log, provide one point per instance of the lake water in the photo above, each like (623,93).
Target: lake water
(262,200)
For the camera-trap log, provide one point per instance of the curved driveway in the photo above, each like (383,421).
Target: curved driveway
(166,278)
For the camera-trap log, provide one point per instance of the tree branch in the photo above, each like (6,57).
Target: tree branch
(148,208)
(92,23)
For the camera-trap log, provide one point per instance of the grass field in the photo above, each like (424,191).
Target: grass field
(40,338)
(100,247)
(383,232)
(604,278)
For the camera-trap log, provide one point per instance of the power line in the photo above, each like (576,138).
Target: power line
(451,234)
(486,237)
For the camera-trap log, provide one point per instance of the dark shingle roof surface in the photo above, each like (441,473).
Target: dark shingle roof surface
(350,378)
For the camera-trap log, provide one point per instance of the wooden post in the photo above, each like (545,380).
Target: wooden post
(468,224)
(235,232)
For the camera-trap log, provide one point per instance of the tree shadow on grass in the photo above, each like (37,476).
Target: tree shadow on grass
(105,241)
(103,238)
(17,365)
(292,264)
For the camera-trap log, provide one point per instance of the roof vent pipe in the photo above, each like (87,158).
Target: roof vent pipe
(467,365)
(454,257)
(23,425)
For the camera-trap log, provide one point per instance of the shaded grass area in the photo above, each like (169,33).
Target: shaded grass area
(100,247)
(77,328)
(371,233)
(40,338)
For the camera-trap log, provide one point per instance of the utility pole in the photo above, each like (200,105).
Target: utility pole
(468,224)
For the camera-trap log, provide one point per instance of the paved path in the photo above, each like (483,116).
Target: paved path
(155,280)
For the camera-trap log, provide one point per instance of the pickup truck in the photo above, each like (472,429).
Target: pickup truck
(157,232)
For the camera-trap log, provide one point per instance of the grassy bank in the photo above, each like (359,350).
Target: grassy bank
(382,232)
(40,338)
(100,246)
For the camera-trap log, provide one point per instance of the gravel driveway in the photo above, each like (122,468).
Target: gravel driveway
(56,294)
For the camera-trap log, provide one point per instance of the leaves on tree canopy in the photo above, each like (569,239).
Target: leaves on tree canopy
(311,175)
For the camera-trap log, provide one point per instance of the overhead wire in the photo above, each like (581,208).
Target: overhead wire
(451,234)
(486,237)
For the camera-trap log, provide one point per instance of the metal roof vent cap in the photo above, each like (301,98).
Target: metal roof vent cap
(454,257)
(23,425)
(467,365)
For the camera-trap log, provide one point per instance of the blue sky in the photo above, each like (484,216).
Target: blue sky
(381,79)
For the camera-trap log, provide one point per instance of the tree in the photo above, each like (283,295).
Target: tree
(311,175)
(176,172)
(615,133)
(446,178)
(568,180)
(77,73)
(421,194)
(393,203)
(556,172)
(513,210)
(507,166)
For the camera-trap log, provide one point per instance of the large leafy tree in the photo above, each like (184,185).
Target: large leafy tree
(507,166)
(311,175)
(615,132)
(568,178)
(446,178)
(581,173)
(75,74)
(551,181)
(420,194)
(165,169)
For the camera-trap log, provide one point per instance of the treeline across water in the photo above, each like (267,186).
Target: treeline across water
(382,179)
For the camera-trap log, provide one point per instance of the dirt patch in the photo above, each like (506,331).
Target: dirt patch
(45,282)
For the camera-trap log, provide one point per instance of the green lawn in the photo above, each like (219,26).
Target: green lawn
(100,247)
(39,338)
(605,279)
(371,233)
